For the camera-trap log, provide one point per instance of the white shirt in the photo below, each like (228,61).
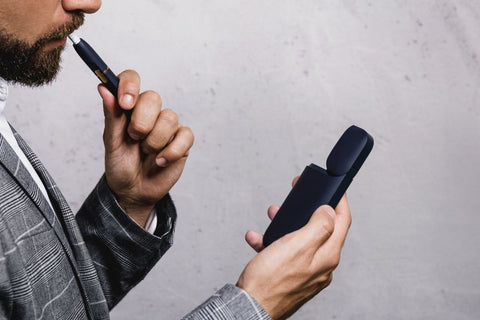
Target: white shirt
(7,133)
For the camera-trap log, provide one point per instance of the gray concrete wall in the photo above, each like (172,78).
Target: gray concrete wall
(268,87)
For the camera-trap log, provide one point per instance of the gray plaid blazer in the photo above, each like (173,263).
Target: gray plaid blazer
(54,265)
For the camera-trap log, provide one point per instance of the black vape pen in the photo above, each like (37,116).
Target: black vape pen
(96,64)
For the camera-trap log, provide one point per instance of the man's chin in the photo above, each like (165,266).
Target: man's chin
(30,65)
(38,71)
(34,83)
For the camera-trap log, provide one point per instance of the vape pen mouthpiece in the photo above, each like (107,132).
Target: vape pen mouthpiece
(74,38)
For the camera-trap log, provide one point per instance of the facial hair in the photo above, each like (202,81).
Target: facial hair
(29,64)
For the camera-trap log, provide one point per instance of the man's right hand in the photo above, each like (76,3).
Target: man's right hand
(293,269)
(144,157)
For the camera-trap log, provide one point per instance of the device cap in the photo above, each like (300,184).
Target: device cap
(350,151)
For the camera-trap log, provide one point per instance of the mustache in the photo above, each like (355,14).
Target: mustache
(63,31)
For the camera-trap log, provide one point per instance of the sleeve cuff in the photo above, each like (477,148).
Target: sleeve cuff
(165,214)
(241,304)
(122,251)
(230,302)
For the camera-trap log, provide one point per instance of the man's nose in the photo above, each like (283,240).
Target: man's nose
(87,6)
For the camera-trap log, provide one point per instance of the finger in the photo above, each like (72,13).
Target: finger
(178,148)
(115,121)
(329,280)
(165,128)
(343,220)
(255,240)
(147,109)
(329,255)
(272,211)
(295,180)
(128,89)
(319,228)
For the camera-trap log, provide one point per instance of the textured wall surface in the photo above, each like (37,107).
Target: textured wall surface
(268,87)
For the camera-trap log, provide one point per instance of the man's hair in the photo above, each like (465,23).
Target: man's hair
(28,64)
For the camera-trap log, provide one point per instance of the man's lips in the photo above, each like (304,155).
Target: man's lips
(54,43)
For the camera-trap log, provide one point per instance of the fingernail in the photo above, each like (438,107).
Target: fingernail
(161,162)
(127,100)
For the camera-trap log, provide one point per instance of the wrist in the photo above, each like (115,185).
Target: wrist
(241,284)
(241,303)
(138,212)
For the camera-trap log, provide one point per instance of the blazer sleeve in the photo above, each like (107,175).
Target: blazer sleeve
(122,251)
(229,303)
(6,296)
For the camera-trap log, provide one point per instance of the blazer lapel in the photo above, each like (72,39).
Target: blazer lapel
(63,214)
(59,222)
(14,165)
(67,228)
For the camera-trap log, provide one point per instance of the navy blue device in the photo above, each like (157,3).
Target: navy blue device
(317,186)
(98,66)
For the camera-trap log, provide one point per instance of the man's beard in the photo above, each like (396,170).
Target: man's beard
(29,64)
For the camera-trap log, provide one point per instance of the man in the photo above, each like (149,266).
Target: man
(54,265)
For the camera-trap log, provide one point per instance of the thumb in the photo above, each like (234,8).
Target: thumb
(320,227)
(115,121)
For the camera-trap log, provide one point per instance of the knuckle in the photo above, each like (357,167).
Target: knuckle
(329,280)
(153,97)
(155,144)
(327,226)
(139,127)
(336,260)
(169,116)
(324,278)
(175,152)
(333,261)
(328,209)
(130,87)
(190,137)
(130,81)
(129,73)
